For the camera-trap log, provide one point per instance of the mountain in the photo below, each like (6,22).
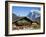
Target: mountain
(33,15)
(14,17)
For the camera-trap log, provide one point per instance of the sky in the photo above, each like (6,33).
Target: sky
(23,11)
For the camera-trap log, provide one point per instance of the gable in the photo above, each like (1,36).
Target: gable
(24,18)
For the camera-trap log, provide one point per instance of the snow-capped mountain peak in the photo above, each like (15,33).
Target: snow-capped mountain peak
(34,14)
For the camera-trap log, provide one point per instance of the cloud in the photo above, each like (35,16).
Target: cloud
(33,10)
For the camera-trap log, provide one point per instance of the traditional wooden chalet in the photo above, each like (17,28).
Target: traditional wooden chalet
(22,21)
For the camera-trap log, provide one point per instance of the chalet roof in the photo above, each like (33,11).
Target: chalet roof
(22,18)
